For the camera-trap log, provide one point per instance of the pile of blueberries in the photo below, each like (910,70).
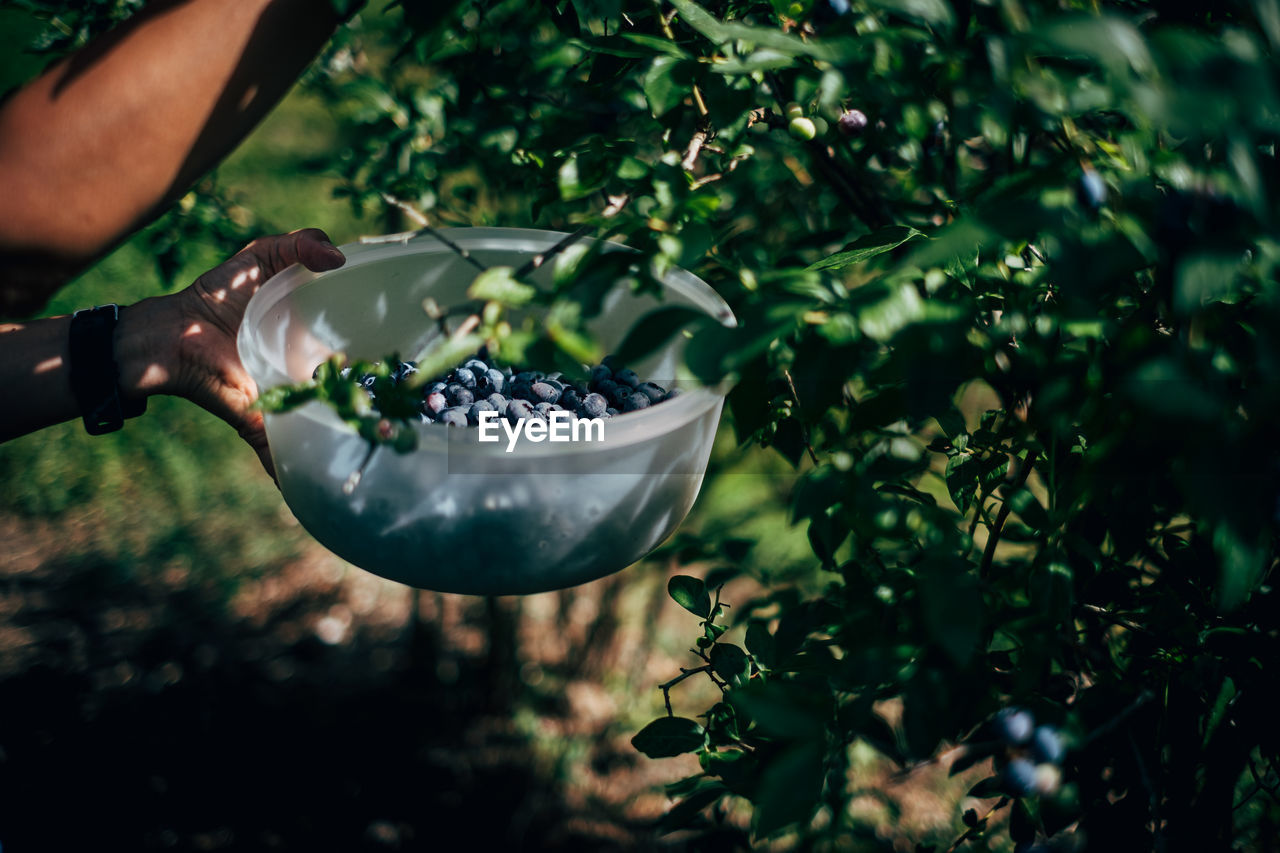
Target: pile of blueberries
(459,397)
(1033,754)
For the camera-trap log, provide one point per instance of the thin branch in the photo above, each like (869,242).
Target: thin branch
(616,203)
(804,430)
(979,826)
(993,538)
(696,142)
(684,673)
(420,218)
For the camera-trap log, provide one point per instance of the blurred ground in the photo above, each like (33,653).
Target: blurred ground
(311,711)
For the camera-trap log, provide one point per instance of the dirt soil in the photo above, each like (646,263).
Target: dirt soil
(313,709)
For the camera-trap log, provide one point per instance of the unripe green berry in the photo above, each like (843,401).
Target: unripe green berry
(794,110)
(820,125)
(802,128)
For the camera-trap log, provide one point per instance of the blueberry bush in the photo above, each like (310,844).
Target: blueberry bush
(1005,280)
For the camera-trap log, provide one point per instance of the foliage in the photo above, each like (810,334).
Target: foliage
(1015,336)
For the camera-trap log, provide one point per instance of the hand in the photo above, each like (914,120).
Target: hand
(208,369)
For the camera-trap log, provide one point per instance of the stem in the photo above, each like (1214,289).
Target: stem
(684,673)
(989,553)
(804,430)
(420,218)
(975,830)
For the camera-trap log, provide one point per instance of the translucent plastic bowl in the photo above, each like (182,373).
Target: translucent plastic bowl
(458,515)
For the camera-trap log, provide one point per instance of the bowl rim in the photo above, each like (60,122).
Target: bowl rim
(620,431)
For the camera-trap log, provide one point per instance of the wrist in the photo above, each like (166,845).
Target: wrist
(146,348)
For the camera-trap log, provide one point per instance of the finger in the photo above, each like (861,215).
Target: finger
(309,247)
(254,432)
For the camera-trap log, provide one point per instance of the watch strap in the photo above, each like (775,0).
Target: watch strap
(95,379)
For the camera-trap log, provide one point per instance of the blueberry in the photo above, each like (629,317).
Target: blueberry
(473,413)
(459,396)
(636,402)
(436,386)
(495,378)
(403,369)
(544,408)
(1047,746)
(435,403)
(655,393)
(1013,726)
(543,392)
(619,396)
(570,398)
(672,394)
(1091,190)
(476,366)
(852,122)
(455,416)
(1019,777)
(555,383)
(465,378)
(498,402)
(367,381)
(610,412)
(627,378)
(611,362)
(518,410)
(599,374)
(594,405)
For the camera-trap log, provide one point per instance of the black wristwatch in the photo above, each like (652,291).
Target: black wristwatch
(95,377)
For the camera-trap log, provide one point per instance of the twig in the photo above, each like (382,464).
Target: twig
(684,673)
(357,475)
(696,142)
(665,23)
(420,218)
(804,430)
(993,538)
(616,203)
(978,826)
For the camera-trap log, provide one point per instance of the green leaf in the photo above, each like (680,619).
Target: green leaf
(868,246)
(722,33)
(1218,713)
(790,787)
(900,307)
(760,643)
(986,789)
(668,82)
(730,663)
(1205,277)
(666,737)
(691,594)
(499,284)
(1242,561)
(1113,42)
(962,480)
(935,12)
(682,813)
(654,329)
(951,607)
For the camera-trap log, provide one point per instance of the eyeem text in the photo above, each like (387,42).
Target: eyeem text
(561,426)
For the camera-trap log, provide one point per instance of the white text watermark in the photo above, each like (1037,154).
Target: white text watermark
(559,426)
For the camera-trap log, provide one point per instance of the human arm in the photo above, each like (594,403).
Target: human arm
(182,344)
(100,142)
